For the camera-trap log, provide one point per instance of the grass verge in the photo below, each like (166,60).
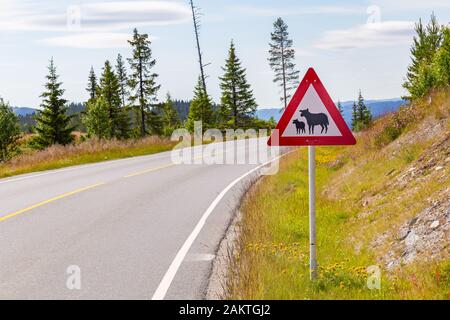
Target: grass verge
(363,192)
(91,151)
(272,260)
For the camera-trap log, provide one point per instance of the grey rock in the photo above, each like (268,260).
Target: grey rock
(435,224)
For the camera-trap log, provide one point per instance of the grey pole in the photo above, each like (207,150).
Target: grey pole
(312,212)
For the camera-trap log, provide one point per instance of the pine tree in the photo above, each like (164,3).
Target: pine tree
(355,117)
(53,123)
(282,60)
(200,109)
(142,81)
(419,78)
(92,87)
(237,100)
(441,63)
(339,106)
(123,80)
(9,131)
(96,118)
(169,115)
(110,93)
(361,115)
(365,116)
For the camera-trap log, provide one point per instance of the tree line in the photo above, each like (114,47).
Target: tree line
(123,103)
(122,100)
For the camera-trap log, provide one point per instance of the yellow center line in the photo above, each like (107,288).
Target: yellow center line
(166,166)
(157,169)
(40,204)
(150,170)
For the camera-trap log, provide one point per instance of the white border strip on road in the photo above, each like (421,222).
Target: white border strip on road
(164,286)
(155,156)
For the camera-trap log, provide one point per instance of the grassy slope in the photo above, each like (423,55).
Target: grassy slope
(358,199)
(87,152)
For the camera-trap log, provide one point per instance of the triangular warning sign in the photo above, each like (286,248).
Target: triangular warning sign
(311,118)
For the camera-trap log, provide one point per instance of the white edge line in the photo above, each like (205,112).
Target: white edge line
(155,156)
(77,167)
(165,283)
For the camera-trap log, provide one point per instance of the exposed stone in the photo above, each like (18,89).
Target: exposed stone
(411,239)
(425,237)
(435,224)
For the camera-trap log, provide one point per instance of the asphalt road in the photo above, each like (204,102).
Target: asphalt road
(138,228)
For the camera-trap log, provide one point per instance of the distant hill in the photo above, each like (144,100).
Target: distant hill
(377,107)
(27,121)
(23,111)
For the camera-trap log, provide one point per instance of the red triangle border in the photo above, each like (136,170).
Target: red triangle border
(311,78)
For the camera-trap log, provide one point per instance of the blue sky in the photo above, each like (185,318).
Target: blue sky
(352,45)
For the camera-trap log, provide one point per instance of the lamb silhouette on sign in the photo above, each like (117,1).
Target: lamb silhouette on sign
(316,119)
(300,125)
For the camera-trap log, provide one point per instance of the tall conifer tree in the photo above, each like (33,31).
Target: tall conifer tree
(92,87)
(237,102)
(142,80)
(420,78)
(122,77)
(110,94)
(53,123)
(200,109)
(282,60)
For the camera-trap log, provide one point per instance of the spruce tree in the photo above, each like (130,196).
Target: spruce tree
(355,117)
(361,115)
(110,93)
(237,100)
(142,80)
(52,122)
(200,109)
(9,131)
(419,78)
(169,115)
(365,116)
(441,63)
(282,60)
(92,87)
(123,80)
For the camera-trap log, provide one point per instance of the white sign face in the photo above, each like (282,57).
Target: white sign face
(311,119)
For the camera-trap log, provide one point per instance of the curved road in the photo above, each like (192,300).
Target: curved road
(137,228)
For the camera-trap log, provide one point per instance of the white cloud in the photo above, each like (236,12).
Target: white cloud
(370,35)
(303,53)
(413,4)
(100,40)
(93,16)
(297,10)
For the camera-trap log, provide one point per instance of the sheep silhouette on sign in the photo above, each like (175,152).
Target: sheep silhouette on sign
(316,119)
(301,127)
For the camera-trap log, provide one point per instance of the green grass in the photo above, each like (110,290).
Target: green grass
(272,262)
(363,191)
(92,151)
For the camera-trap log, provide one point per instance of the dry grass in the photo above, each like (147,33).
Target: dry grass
(362,194)
(90,151)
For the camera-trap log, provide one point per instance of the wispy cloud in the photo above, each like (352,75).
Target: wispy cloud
(412,4)
(370,35)
(266,11)
(90,40)
(93,16)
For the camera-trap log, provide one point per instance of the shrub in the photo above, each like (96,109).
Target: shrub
(9,131)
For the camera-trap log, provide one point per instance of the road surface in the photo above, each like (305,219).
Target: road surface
(137,228)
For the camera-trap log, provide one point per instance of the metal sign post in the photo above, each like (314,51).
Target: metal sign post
(312,108)
(312,212)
